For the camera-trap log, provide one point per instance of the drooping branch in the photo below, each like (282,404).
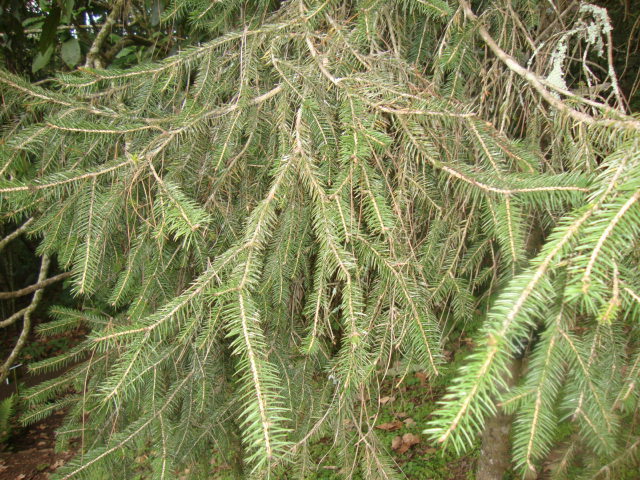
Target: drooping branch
(26,325)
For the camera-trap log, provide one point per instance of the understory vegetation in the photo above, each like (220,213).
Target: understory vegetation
(273,216)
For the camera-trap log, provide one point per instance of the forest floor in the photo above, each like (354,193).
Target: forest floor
(30,454)
(407,401)
(404,409)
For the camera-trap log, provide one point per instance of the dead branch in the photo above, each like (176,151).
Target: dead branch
(542,86)
(14,234)
(26,324)
(36,286)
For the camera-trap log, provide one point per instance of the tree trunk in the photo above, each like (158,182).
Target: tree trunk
(237,455)
(495,455)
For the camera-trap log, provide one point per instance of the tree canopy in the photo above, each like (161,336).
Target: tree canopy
(258,225)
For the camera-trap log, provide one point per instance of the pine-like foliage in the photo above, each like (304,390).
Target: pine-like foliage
(259,224)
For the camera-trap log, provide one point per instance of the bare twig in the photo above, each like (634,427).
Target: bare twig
(36,286)
(26,324)
(14,234)
(12,319)
(543,87)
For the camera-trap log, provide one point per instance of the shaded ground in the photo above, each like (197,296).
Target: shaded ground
(29,454)
(407,402)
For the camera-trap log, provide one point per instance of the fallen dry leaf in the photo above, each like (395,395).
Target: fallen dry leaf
(396,443)
(404,443)
(390,426)
(411,438)
(409,422)
(386,399)
(422,376)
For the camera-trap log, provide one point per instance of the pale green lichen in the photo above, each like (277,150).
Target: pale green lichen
(594,28)
(556,76)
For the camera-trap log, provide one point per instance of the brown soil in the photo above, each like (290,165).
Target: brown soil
(29,453)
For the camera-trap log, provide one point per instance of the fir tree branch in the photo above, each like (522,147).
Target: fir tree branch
(493,347)
(606,233)
(309,188)
(257,379)
(129,437)
(456,173)
(49,97)
(628,454)
(592,388)
(65,181)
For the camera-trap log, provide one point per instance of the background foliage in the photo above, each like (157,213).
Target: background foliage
(263,206)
